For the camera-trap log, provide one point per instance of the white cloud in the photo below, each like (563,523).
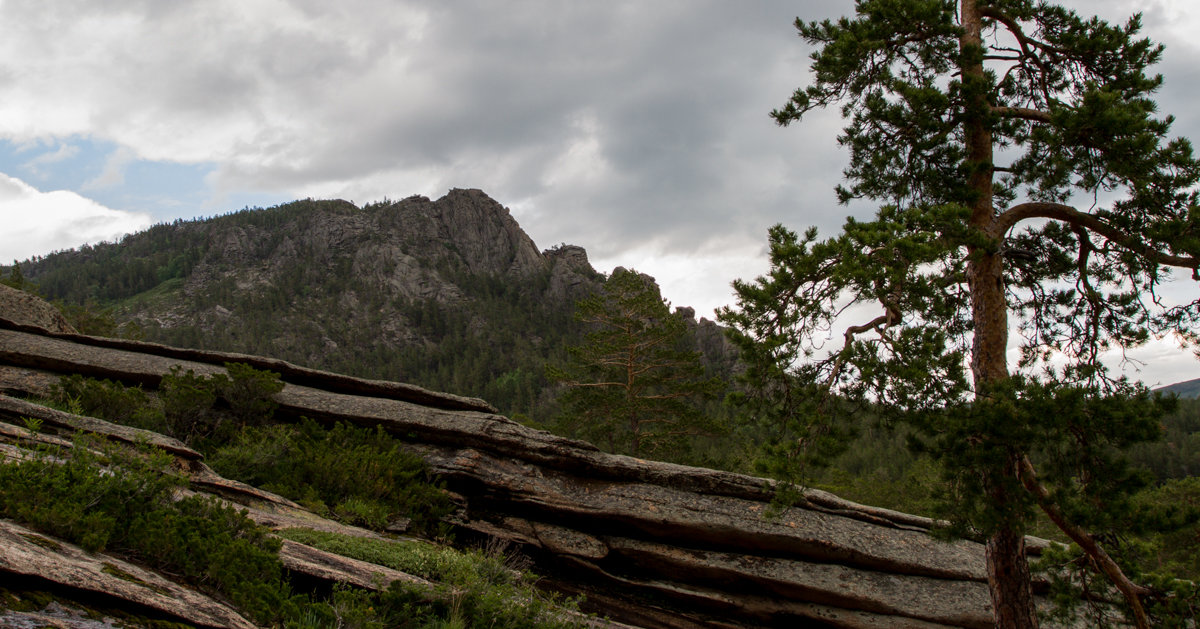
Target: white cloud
(64,152)
(38,222)
(113,173)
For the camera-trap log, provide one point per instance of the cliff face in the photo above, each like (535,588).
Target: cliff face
(650,544)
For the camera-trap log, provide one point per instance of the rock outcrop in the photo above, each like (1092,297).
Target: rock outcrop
(650,544)
(30,555)
(22,306)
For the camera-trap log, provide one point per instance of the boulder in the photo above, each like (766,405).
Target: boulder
(29,309)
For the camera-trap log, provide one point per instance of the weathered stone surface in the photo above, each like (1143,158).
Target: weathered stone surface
(652,544)
(645,510)
(22,307)
(25,552)
(288,372)
(15,410)
(59,615)
(338,569)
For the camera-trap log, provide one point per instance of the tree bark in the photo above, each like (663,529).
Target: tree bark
(1008,580)
(1008,569)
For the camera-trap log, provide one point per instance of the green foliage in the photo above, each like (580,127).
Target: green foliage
(186,405)
(1077,591)
(32,424)
(108,400)
(249,391)
(477,588)
(1076,436)
(882,473)
(357,475)
(634,387)
(1168,517)
(89,317)
(90,507)
(218,548)
(110,500)
(16,279)
(1177,454)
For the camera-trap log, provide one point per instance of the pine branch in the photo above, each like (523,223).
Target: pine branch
(1023,113)
(1130,590)
(1090,222)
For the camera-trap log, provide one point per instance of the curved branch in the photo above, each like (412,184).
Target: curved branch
(1015,29)
(1131,591)
(890,317)
(1026,43)
(1083,220)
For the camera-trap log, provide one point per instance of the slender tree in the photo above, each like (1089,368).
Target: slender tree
(1026,184)
(633,386)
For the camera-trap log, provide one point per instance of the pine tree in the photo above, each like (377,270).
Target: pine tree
(1025,180)
(16,279)
(632,386)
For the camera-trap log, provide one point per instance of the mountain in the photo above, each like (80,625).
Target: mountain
(450,293)
(1187,389)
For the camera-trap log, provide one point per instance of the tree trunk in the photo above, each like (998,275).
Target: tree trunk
(1008,574)
(1008,568)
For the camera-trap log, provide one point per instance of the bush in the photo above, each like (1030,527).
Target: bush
(357,475)
(121,502)
(186,406)
(108,400)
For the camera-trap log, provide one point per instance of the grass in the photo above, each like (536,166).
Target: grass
(475,585)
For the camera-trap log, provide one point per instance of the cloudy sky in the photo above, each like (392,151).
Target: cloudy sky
(638,130)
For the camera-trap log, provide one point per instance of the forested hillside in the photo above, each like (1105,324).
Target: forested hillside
(450,294)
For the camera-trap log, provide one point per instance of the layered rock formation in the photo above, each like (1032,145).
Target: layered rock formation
(649,544)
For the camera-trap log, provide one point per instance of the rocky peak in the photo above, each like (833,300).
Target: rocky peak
(472,226)
(569,256)
(571,274)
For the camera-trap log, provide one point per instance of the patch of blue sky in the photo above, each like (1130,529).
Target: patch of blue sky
(108,174)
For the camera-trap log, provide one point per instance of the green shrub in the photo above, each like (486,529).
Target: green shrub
(358,475)
(106,499)
(108,400)
(65,495)
(187,405)
(199,410)
(248,391)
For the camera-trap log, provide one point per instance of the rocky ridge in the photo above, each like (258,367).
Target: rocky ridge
(448,293)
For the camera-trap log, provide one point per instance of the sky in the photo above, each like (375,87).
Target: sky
(638,130)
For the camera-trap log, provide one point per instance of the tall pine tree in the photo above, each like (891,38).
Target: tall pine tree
(633,387)
(1026,183)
